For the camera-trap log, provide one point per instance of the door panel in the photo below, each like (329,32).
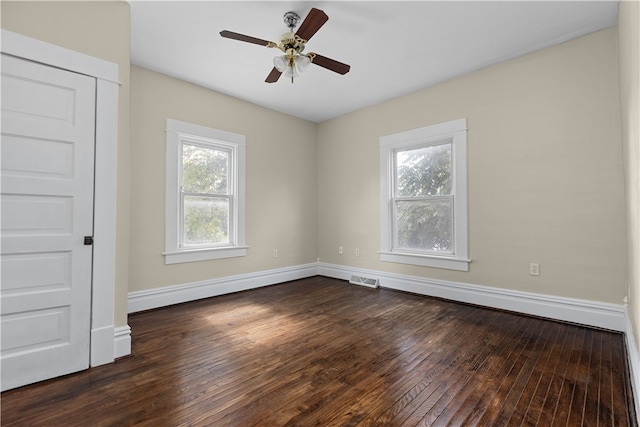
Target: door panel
(48,121)
(53,159)
(36,215)
(47,102)
(28,273)
(48,327)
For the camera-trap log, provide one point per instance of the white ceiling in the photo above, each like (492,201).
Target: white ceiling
(393,47)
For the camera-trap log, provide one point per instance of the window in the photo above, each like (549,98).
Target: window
(204,193)
(423,196)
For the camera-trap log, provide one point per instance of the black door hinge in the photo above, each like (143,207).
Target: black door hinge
(88,240)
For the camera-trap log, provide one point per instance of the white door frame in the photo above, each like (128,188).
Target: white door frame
(103,275)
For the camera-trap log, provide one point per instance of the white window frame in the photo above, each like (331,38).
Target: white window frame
(456,131)
(181,132)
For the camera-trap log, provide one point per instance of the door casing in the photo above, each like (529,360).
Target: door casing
(103,349)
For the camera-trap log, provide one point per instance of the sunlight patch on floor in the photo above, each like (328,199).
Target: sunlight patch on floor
(256,330)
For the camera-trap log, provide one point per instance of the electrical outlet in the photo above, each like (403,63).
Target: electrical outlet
(534,269)
(340,250)
(275,253)
(357,251)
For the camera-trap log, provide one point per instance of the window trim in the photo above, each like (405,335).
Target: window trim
(176,131)
(456,130)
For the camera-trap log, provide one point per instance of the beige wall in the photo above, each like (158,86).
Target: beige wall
(102,30)
(629,52)
(545,173)
(545,164)
(280,181)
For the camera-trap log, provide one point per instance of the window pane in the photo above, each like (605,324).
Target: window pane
(206,220)
(425,225)
(204,170)
(424,171)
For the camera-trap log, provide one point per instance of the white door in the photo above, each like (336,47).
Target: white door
(48,120)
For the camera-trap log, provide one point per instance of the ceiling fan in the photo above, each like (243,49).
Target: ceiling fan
(293,62)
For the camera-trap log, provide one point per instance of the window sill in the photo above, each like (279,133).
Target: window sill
(448,263)
(193,255)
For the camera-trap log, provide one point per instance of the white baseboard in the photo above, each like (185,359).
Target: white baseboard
(591,313)
(122,341)
(168,295)
(634,360)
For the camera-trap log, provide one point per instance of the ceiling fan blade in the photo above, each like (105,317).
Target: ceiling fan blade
(248,39)
(273,76)
(312,23)
(330,64)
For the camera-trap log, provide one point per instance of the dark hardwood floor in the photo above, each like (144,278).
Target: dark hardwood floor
(321,352)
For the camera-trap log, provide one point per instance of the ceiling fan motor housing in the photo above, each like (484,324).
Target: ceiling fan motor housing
(291,44)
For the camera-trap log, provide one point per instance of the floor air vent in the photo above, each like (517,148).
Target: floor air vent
(364,281)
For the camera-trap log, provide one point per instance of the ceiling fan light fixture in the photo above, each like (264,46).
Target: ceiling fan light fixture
(291,72)
(280,62)
(291,66)
(302,61)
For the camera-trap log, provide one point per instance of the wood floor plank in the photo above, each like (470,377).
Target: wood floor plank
(513,407)
(431,409)
(458,409)
(591,402)
(577,408)
(408,375)
(421,403)
(344,394)
(445,353)
(484,396)
(547,373)
(319,351)
(622,399)
(605,405)
(545,416)
(385,370)
(538,382)
(572,375)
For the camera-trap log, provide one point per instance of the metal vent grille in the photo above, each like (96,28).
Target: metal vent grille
(364,281)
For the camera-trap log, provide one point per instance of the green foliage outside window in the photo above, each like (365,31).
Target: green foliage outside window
(423,205)
(206,198)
